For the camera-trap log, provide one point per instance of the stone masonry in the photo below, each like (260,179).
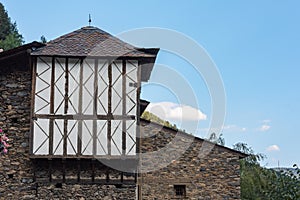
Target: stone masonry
(215,175)
(16,175)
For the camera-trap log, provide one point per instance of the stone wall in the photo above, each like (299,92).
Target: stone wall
(16,174)
(212,174)
(16,171)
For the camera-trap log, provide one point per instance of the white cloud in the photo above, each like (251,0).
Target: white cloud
(266,121)
(234,128)
(227,128)
(264,128)
(273,148)
(173,111)
(265,125)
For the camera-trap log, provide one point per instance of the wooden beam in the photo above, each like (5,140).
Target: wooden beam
(79,138)
(32,104)
(52,98)
(124,106)
(138,93)
(109,107)
(95,108)
(129,158)
(65,142)
(138,176)
(85,117)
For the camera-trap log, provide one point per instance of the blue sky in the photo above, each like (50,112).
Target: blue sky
(255,45)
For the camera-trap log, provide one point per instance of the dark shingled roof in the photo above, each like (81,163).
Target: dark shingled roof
(94,42)
(207,143)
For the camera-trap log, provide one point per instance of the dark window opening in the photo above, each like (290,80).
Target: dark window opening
(180,190)
(14,120)
(118,185)
(58,185)
(10,175)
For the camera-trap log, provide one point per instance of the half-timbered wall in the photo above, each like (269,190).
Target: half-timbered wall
(84,107)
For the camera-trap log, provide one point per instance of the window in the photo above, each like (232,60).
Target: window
(84,107)
(180,190)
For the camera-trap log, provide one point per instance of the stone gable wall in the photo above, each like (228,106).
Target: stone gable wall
(16,174)
(215,176)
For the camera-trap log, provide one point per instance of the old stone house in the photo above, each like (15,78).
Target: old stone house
(72,109)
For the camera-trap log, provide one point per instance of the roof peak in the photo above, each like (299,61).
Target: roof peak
(90,28)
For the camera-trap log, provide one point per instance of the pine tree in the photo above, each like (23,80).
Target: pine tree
(9,35)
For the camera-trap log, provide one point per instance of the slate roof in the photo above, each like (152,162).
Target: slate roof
(94,42)
(208,143)
(18,50)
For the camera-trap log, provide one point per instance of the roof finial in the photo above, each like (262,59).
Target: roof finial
(90,20)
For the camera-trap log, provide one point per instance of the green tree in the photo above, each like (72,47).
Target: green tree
(43,39)
(9,35)
(261,183)
(218,140)
(253,179)
(284,185)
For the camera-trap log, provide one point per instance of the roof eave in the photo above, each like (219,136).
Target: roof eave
(20,49)
(148,63)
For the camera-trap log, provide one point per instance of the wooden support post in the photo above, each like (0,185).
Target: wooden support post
(138,93)
(33,83)
(138,177)
(52,98)
(124,107)
(109,107)
(79,139)
(95,108)
(65,142)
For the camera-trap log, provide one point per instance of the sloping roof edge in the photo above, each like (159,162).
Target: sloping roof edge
(20,49)
(240,154)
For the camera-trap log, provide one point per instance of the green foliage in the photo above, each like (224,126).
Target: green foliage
(153,118)
(253,157)
(284,185)
(261,183)
(43,39)
(9,35)
(218,140)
